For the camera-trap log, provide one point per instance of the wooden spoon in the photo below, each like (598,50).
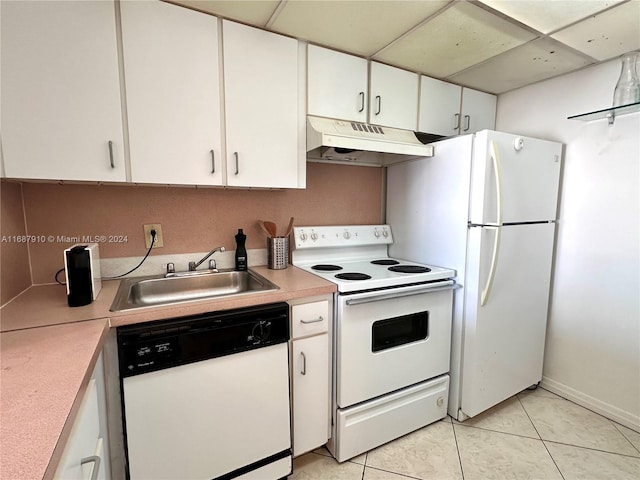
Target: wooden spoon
(264,228)
(271,228)
(289,228)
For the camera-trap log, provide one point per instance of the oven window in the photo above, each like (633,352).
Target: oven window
(392,332)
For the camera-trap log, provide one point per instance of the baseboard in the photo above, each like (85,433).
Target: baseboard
(616,414)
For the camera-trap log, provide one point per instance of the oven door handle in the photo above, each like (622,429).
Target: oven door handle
(451,285)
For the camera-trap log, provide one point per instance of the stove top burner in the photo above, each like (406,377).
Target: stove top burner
(326,268)
(409,269)
(387,261)
(353,276)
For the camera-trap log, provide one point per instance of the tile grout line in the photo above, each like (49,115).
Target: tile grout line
(364,467)
(540,436)
(592,449)
(498,431)
(580,446)
(392,472)
(455,438)
(615,425)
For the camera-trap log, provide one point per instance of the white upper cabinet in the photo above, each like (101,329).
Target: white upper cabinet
(337,84)
(394,97)
(172,80)
(478,111)
(447,109)
(439,107)
(61,107)
(261,107)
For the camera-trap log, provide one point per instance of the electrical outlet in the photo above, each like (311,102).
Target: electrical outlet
(147,235)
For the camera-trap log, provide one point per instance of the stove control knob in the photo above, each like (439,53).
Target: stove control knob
(385,234)
(346,235)
(376,233)
(314,236)
(303,237)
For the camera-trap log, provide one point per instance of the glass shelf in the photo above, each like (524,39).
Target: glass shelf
(608,113)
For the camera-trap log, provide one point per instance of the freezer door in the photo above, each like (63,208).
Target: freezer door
(513,179)
(504,339)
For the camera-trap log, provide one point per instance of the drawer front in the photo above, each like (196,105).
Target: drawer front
(309,318)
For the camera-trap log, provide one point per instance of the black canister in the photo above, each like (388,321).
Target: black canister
(241,251)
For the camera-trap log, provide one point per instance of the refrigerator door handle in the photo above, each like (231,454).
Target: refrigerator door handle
(497,172)
(494,265)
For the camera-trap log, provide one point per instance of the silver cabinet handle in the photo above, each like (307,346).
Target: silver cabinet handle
(361,94)
(235,154)
(467,122)
(96,467)
(456,118)
(113,165)
(379,100)
(213,162)
(307,322)
(304,365)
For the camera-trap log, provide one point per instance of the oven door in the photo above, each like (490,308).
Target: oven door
(390,339)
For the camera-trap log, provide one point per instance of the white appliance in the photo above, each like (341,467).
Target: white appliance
(391,334)
(486,205)
(207,396)
(361,143)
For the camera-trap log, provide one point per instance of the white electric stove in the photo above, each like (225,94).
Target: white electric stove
(391,335)
(355,258)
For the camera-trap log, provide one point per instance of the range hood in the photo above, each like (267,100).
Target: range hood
(340,141)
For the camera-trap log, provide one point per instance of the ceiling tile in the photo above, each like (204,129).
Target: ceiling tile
(607,34)
(253,12)
(546,16)
(461,36)
(358,27)
(535,61)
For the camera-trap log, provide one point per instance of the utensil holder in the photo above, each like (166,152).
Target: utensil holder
(277,252)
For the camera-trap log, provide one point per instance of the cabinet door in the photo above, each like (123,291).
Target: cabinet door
(83,440)
(478,111)
(337,84)
(309,318)
(261,107)
(310,379)
(173,94)
(61,111)
(439,107)
(394,97)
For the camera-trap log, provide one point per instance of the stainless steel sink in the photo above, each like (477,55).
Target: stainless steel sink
(157,290)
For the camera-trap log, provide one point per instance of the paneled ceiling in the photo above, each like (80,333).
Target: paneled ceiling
(490,45)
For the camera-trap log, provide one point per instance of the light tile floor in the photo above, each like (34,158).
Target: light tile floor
(533,435)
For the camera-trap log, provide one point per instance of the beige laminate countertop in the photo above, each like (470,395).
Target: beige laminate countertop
(49,350)
(45,372)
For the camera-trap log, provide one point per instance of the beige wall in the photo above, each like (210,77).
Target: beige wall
(15,274)
(193,219)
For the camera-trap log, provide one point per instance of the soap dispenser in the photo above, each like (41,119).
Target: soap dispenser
(241,251)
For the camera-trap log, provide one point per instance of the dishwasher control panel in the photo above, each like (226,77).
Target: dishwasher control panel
(145,348)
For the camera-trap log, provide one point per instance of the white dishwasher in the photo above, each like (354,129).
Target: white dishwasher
(207,396)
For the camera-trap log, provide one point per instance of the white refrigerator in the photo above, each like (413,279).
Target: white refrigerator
(486,205)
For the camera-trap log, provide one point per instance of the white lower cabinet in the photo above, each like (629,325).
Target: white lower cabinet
(310,393)
(310,377)
(85,455)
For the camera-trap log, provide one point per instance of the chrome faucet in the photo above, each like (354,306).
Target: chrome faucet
(212,264)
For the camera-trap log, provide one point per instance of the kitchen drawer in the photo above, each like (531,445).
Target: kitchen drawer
(309,318)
